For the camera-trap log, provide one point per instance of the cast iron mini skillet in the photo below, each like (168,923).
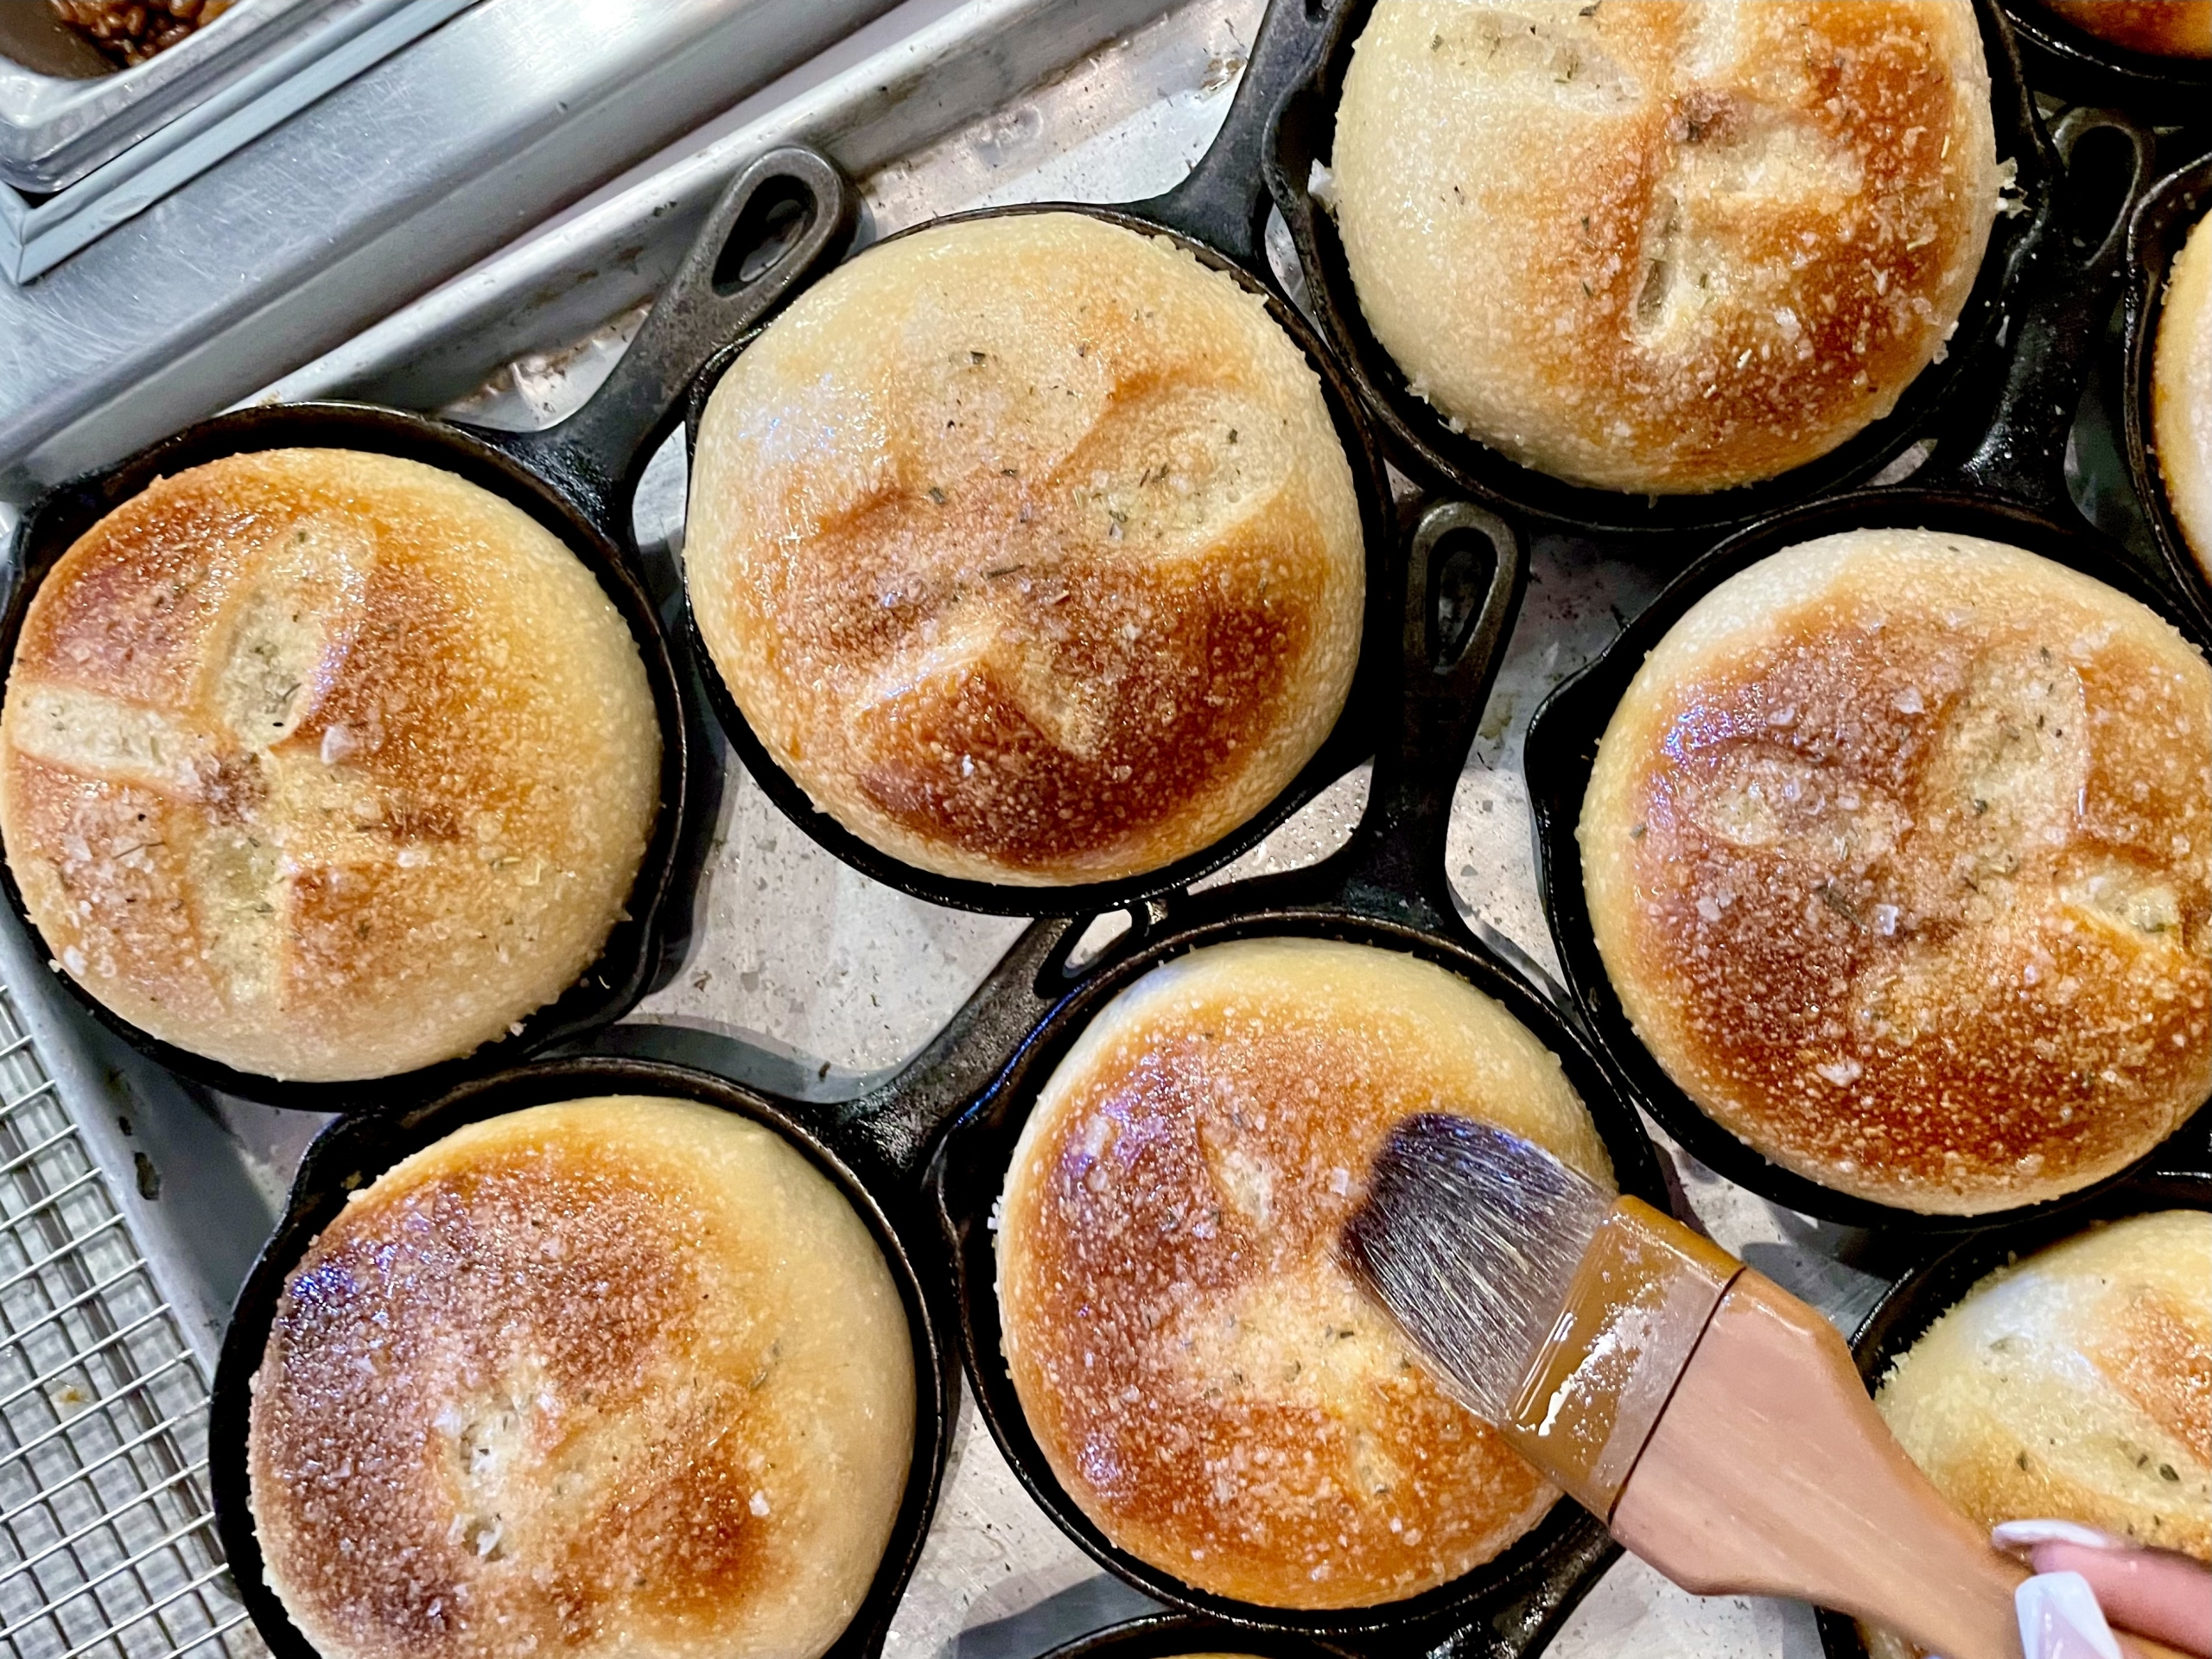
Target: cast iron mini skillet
(2161,226)
(1929,1292)
(577,479)
(1303,133)
(2079,68)
(355,1150)
(927,1153)
(2011,487)
(1216,215)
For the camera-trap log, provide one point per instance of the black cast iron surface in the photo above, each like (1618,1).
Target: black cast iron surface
(930,1150)
(924,1157)
(354,1151)
(2158,233)
(2082,68)
(1217,214)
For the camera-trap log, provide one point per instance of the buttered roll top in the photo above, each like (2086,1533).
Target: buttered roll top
(615,1376)
(2181,393)
(1898,853)
(325,765)
(2075,1385)
(1206,1381)
(1661,247)
(1027,546)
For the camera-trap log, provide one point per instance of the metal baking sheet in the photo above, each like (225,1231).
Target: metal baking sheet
(260,90)
(389,184)
(58,121)
(827,977)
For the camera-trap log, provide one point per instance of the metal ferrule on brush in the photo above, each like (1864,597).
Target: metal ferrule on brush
(1641,1297)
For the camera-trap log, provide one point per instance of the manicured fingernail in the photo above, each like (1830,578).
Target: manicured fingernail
(2026,1534)
(2060,1619)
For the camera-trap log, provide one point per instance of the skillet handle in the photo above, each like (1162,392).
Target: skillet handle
(1449,655)
(891,1129)
(788,215)
(1224,200)
(2071,273)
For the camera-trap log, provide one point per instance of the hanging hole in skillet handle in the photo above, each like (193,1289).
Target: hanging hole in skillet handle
(770,226)
(2070,279)
(788,215)
(1465,569)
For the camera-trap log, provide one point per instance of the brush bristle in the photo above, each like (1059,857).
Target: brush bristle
(1469,1237)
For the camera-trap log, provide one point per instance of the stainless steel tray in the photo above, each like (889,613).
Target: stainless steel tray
(131,140)
(56,127)
(829,977)
(403,176)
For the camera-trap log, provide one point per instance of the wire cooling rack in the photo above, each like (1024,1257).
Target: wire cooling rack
(107,1544)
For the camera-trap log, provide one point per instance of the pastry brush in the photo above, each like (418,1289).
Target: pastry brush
(1713,1421)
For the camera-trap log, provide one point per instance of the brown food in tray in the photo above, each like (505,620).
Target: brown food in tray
(1898,852)
(2181,393)
(1206,1381)
(325,765)
(2173,28)
(623,1376)
(131,33)
(1028,548)
(1663,247)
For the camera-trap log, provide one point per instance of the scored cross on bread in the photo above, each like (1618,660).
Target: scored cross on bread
(1028,548)
(324,765)
(1651,246)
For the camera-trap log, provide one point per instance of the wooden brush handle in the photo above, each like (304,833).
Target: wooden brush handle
(1771,1473)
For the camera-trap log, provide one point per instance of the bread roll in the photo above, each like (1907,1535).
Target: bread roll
(1898,852)
(2176,29)
(2181,393)
(324,765)
(1028,548)
(1664,246)
(1206,1381)
(2075,1385)
(621,1375)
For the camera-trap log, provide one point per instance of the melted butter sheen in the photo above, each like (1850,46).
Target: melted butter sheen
(1899,854)
(1205,1379)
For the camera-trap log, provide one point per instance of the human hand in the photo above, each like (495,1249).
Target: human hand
(2088,1582)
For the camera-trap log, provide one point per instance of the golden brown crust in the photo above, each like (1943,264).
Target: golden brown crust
(2074,1385)
(1899,851)
(1029,549)
(2181,393)
(1660,246)
(1205,1379)
(616,1375)
(323,764)
(2173,28)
